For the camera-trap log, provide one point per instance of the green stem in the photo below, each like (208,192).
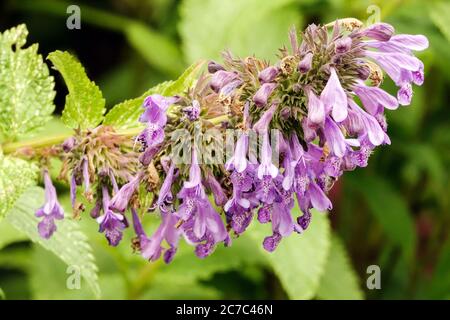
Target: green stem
(42,142)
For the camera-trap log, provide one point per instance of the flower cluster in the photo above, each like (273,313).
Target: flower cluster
(304,111)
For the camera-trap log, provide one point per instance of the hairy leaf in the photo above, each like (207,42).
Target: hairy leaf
(245,27)
(339,281)
(126,114)
(26,89)
(10,186)
(299,261)
(85,104)
(69,243)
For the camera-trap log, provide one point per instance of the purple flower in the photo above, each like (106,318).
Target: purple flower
(217,191)
(373,97)
(239,160)
(394,63)
(266,167)
(367,125)
(155,107)
(269,74)
(262,95)
(221,78)
(165,197)
(316,109)
(343,45)
(305,64)
(334,137)
(271,243)
(404,95)
(151,249)
(213,67)
(50,211)
(379,31)
(111,223)
(334,98)
(151,136)
(192,112)
(121,199)
(68,144)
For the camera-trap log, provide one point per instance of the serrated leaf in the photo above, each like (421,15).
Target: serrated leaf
(126,114)
(10,186)
(299,261)
(68,243)
(339,280)
(245,27)
(48,280)
(26,89)
(85,104)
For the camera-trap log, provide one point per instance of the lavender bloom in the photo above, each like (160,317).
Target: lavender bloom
(151,248)
(269,74)
(379,31)
(68,144)
(266,168)
(305,64)
(334,98)
(111,223)
(404,95)
(343,45)
(219,195)
(334,138)
(213,67)
(221,78)
(155,107)
(50,211)
(165,197)
(121,199)
(271,243)
(192,112)
(262,95)
(316,109)
(239,160)
(373,97)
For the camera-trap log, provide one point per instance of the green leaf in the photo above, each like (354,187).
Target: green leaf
(188,266)
(439,13)
(10,186)
(162,53)
(85,104)
(299,261)
(389,209)
(26,89)
(126,114)
(49,277)
(9,235)
(2,295)
(245,27)
(69,243)
(339,281)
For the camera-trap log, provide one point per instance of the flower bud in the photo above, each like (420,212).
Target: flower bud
(268,74)
(343,45)
(306,63)
(213,67)
(263,94)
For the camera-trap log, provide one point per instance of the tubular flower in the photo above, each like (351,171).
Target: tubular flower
(300,127)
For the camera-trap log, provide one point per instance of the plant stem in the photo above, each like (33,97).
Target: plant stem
(42,142)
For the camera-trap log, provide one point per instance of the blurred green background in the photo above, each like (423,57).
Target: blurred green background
(394,213)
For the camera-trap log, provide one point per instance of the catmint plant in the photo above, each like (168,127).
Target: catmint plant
(297,125)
